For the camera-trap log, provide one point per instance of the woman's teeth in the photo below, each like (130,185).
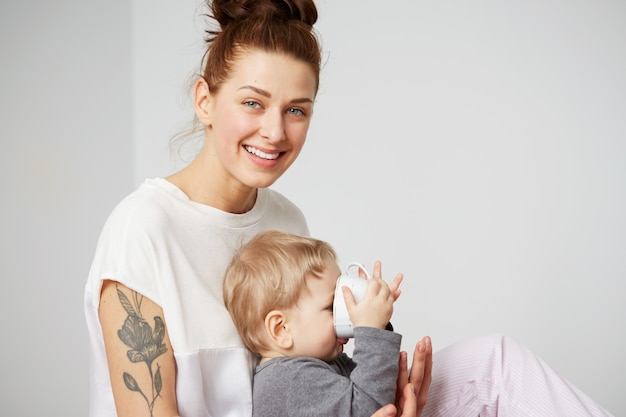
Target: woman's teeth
(260,154)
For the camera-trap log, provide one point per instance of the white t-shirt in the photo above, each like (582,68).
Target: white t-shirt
(175,251)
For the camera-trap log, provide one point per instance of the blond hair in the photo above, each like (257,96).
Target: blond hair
(269,273)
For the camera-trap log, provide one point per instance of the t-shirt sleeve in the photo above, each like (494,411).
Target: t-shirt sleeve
(125,251)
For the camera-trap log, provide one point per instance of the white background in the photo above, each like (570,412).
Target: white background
(478,147)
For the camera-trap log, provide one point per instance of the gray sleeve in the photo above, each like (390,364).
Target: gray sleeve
(376,354)
(310,387)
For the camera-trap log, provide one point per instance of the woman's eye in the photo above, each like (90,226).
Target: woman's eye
(252,104)
(295,111)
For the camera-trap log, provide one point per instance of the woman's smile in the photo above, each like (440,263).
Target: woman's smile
(261,154)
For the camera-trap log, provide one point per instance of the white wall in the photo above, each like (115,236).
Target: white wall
(479,147)
(65,161)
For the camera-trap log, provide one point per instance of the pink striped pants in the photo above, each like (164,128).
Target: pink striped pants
(496,376)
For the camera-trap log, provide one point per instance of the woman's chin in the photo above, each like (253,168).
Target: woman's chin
(263,181)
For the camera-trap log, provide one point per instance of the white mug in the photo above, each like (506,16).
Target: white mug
(343,325)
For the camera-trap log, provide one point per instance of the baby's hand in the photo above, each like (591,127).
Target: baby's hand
(376,307)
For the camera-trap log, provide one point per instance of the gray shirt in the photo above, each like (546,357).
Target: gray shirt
(304,386)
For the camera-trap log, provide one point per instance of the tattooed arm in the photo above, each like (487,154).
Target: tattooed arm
(141,361)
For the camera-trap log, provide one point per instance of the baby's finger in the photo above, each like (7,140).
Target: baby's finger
(395,284)
(348,298)
(377,273)
(376,287)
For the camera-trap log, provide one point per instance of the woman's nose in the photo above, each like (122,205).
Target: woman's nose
(272,128)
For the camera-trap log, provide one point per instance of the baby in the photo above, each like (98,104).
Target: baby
(279,290)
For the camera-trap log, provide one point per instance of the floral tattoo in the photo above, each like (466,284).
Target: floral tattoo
(145,344)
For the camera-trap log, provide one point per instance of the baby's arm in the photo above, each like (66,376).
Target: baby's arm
(375,357)
(376,351)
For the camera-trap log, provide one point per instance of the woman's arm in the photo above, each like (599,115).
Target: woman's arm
(140,357)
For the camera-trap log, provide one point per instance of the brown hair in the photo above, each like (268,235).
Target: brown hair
(280,26)
(268,273)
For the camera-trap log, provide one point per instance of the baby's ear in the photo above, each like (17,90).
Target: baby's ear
(277,329)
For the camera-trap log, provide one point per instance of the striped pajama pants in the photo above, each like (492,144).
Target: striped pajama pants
(496,376)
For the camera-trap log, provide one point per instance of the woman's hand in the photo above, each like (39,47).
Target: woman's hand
(419,377)
(412,389)
(409,405)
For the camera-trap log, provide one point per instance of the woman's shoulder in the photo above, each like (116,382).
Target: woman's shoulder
(280,202)
(152,202)
(152,192)
(285,213)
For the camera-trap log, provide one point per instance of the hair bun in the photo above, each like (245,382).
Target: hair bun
(226,11)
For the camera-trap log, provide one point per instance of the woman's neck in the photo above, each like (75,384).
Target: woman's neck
(205,186)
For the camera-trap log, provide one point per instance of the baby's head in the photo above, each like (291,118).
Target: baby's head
(266,281)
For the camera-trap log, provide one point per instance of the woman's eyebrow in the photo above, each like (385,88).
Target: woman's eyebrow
(256,90)
(267,94)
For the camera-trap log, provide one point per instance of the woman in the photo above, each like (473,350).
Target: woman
(162,342)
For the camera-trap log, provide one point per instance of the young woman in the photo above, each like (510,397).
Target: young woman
(162,341)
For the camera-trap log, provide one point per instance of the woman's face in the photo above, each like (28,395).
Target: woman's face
(311,321)
(258,120)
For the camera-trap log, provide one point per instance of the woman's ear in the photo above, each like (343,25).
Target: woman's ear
(277,329)
(201,100)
